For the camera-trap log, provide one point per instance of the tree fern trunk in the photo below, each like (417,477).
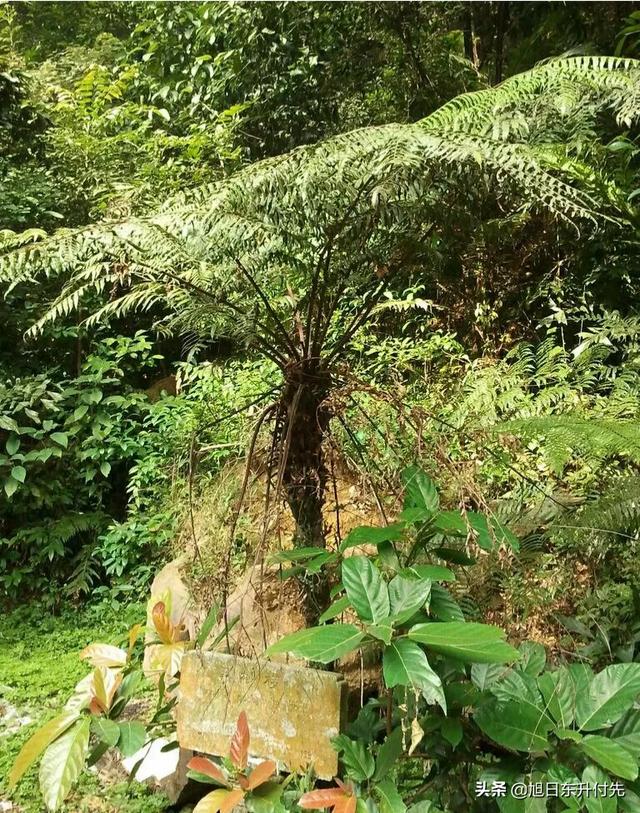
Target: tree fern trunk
(304,477)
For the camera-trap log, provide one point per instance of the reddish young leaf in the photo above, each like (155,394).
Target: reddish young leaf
(162,623)
(346,805)
(208,768)
(239,748)
(260,774)
(319,799)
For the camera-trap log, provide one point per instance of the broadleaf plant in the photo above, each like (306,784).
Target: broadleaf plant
(390,596)
(237,781)
(477,709)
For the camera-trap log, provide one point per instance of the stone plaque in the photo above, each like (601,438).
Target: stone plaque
(293,712)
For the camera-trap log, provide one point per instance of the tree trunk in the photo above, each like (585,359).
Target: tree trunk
(305,475)
(502,19)
(306,422)
(470,44)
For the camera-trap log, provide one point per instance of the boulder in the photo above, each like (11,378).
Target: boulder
(170,587)
(165,771)
(261,610)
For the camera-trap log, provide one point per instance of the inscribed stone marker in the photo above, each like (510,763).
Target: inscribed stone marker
(293,712)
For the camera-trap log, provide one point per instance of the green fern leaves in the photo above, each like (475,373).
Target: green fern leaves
(339,210)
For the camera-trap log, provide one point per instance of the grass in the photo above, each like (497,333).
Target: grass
(39,667)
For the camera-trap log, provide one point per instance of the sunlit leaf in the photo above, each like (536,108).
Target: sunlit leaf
(37,743)
(104,686)
(162,623)
(474,643)
(104,655)
(134,633)
(219,801)
(323,644)
(365,588)
(107,731)
(63,762)
(420,490)
(405,664)
(320,799)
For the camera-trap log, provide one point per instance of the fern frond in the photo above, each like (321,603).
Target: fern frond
(559,87)
(362,192)
(565,435)
(614,513)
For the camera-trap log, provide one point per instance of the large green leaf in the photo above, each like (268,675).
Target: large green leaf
(610,694)
(456,556)
(443,606)
(355,757)
(597,803)
(36,744)
(373,535)
(630,802)
(450,523)
(523,689)
(514,725)
(532,658)
(435,573)
(483,536)
(420,490)
(557,772)
(382,631)
(132,737)
(581,674)
(407,596)
(389,798)
(335,609)
(365,588)
(388,754)
(451,730)
(323,644)
(558,691)
(107,731)
(405,664)
(626,732)
(484,675)
(473,643)
(611,756)
(63,762)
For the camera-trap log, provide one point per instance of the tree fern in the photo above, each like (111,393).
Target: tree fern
(269,253)
(279,213)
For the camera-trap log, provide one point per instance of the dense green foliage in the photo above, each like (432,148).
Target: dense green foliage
(258,260)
